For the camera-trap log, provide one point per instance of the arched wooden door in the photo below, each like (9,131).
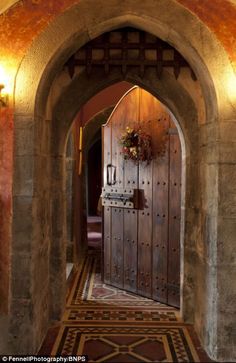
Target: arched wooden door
(141,239)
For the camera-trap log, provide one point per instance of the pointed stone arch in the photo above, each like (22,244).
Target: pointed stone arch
(36,197)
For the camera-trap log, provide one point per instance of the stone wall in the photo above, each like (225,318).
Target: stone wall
(6,151)
(70,196)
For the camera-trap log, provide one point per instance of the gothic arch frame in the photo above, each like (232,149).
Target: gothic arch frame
(167,90)
(63,37)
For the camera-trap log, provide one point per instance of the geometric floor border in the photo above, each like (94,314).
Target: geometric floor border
(169,343)
(105,315)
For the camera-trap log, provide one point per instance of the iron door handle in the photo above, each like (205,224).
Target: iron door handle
(111,174)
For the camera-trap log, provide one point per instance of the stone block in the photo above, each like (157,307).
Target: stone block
(208,134)
(24,140)
(43,136)
(41,317)
(210,239)
(4,272)
(209,154)
(23,176)
(42,170)
(226,241)
(21,287)
(227,190)
(57,287)
(70,147)
(227,287)
(227,152)
(70,163)
(42,217)
(227,131)
(206,305)
(22,227)
(193,191)
(23,121)
(188,288)
(58,217)
(227,337)
(4,328)
(209,190)
(57,167)
(21,327)
(69,183)
(21,275)
(40,273)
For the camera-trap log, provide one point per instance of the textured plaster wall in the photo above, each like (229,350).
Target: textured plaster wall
(219,16)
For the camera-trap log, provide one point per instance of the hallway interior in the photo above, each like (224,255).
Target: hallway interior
(111,325)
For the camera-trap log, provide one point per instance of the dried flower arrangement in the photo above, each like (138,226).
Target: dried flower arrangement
(136,145)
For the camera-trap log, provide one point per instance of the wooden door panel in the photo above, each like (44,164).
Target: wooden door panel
(125,178)
(117,160)
(130,215)
(117,263)
(117,214)
(107,245)
(144,258)
(145,232)
(147,112)
(106,250)
(174,221)
(130,249)
(160,213)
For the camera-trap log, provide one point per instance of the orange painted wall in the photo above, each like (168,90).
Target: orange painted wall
(220,17)
(109,96)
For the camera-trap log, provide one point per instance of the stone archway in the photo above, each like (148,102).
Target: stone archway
(172,94)
(37,197)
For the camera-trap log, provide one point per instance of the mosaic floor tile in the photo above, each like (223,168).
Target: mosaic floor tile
(127,344)
(110,325)
(90,290)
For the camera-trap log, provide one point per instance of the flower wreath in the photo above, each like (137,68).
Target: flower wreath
(136,145)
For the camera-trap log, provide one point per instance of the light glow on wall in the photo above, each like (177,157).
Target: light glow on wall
(231,85)
(7,74)
(6,79)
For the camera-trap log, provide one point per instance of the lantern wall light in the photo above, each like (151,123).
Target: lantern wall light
(3,97)
(5,82)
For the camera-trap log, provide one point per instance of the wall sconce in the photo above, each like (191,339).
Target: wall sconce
(3,97)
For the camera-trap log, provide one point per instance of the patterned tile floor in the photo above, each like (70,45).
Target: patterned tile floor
(110,325)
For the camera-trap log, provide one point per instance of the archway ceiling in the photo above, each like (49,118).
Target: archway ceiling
(124,48)
(21,24)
